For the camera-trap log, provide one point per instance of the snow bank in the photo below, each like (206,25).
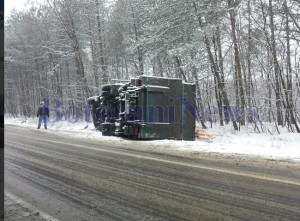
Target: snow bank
(285,145)
(80,128)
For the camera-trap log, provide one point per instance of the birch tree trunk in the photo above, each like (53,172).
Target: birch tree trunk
(276,66)
(101,45)
(238,69)
(215,71)
(139,50)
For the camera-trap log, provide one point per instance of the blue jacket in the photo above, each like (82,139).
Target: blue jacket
(43,110)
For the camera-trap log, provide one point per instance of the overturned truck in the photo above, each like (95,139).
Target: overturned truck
(146,108)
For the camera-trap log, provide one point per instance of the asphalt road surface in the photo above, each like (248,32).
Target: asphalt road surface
(65,178)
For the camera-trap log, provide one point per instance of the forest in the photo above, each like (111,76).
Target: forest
(242,55)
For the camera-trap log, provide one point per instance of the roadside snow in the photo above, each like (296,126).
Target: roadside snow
(285,145)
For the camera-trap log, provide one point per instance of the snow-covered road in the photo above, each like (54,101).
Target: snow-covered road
(285,145)
(75,178)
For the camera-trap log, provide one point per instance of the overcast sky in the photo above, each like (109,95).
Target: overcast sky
(19,5)
(9,5)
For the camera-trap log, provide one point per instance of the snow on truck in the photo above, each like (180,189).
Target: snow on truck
(146,108)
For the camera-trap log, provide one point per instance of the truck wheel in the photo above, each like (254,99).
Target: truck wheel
(106,88)
(106,133)
(96,123)
(105,93)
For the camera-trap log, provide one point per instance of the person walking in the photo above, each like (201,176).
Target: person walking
(43,115)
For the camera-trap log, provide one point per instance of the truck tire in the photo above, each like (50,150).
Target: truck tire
(106,133)
(106,87)
(96,123)
(105,93)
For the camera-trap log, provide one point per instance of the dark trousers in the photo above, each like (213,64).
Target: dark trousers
(43,118)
